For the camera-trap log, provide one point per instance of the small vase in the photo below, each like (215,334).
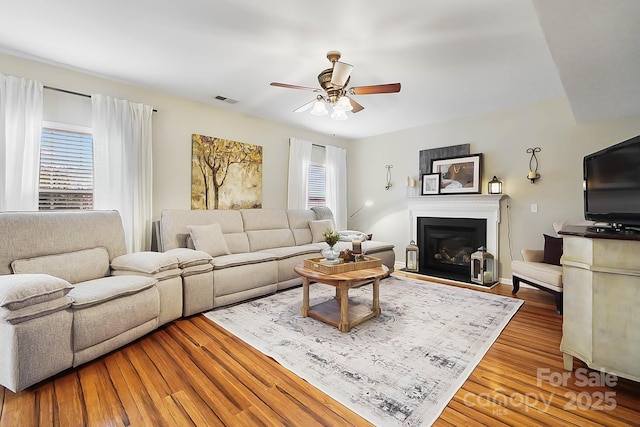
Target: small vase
(330,253)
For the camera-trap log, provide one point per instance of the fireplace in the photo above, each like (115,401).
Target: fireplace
(484,207)
(446,245)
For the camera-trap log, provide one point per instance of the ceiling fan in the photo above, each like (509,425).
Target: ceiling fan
(333,82)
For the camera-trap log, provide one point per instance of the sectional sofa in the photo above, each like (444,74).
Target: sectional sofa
(70,292)
(252,251)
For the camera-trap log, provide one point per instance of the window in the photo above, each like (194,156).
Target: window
(317,185)
(66,167)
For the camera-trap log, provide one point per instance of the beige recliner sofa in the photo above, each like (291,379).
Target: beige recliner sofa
(69,292)
(229,256)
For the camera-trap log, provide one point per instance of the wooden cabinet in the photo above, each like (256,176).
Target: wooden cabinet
(601,322)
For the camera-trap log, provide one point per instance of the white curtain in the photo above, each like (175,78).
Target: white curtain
(123,165)
(336,164)
(298,185)
(20,128)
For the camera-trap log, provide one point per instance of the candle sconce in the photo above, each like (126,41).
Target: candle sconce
(388,184)
(533,164)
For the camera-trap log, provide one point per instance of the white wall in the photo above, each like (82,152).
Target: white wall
(174,123)
(503,138)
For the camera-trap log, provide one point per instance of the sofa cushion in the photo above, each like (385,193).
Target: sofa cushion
(107,288)
(292,251)
(209,238)
(552,250)
(318,227)
(18,291)
(36,310)
(189,257)
(235,260)
(73,267)
(145,262)
(267,239)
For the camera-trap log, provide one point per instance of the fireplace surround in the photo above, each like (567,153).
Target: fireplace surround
(468,206)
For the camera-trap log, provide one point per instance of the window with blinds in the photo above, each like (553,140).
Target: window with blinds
(317,186)
(66,167)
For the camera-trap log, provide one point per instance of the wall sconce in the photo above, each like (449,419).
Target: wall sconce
(495,186)
(412,257)
(388,185)
(533,164)
(366,205)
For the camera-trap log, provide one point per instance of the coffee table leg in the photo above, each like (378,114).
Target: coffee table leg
(305,297)
(343,326)
(376,297)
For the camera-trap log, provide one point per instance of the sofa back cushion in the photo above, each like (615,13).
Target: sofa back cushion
(26,235)
(267,228)
(74,267)
(174,225)
(299,225)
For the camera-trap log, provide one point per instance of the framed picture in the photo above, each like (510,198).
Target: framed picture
(430,183)
(459,174)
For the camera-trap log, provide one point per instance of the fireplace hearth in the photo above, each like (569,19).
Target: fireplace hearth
(446,245)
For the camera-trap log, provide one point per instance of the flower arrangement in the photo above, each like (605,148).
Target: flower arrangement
(331,237)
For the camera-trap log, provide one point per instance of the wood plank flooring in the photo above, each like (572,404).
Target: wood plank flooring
(193,373)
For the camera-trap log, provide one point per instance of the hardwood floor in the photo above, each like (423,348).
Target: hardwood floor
(191,372)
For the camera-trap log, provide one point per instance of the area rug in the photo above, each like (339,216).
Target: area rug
(401,368)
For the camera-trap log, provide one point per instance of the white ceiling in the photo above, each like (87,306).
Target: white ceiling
(454,58)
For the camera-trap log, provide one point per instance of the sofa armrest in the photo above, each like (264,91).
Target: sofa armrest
(148,262)
(532,255)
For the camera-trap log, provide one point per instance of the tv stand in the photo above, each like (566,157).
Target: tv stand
(601,281)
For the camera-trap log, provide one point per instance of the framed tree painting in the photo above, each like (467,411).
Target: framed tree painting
(459,174)
(225,174)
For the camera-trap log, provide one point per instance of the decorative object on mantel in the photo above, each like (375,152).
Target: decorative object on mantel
(459,174)
(367,204)
(533,164)
(412,256)
(482,267)
(388,184)
(410,183)
(495,186)
(426,156)
(430,184)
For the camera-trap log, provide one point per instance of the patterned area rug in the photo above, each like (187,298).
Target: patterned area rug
(401,368)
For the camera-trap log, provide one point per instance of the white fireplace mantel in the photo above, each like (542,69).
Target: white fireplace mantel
(481,206)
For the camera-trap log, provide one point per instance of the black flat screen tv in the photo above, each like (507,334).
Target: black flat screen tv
(612,186)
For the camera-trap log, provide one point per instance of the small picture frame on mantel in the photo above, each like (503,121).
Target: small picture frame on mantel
(430,184)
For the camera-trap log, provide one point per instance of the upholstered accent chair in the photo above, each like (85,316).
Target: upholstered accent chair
(541,268)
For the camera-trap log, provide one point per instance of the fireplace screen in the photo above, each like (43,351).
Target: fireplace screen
(446,245)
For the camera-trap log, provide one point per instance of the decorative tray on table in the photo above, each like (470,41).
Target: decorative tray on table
(327,267)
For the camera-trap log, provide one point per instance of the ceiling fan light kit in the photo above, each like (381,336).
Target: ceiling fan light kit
(333,82)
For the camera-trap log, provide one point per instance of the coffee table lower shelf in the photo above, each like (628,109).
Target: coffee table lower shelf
(329,312)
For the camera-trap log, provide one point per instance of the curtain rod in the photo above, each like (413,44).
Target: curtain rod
(57,89)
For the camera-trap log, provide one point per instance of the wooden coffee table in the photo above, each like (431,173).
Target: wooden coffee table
(337,311)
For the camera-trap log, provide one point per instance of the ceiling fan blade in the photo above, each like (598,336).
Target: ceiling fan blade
(356,107)
(288,86)
(340,74)
(304,107)
(370,90)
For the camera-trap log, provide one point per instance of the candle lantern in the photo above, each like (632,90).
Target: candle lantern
(482,267)
(412,257)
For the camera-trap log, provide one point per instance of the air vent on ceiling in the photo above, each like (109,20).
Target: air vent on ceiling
(225,99)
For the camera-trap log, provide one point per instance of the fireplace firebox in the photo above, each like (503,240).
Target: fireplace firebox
(446,245)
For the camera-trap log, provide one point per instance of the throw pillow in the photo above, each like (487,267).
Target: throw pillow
(318,227)
(552,250)
(209,238)
(18,291)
